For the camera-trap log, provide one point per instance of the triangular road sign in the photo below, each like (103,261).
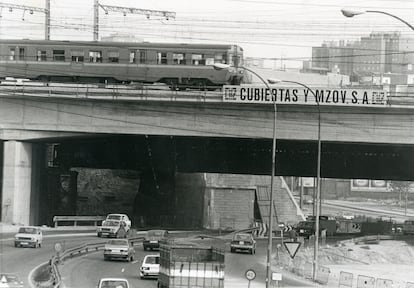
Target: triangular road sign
(292,248)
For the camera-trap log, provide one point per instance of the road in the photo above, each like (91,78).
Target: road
(21,261)
(86,270)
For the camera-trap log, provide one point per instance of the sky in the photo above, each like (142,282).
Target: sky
(274,29)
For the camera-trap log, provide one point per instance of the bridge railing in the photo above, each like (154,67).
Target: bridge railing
(111,92)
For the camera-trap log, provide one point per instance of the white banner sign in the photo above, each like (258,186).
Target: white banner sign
(260,94)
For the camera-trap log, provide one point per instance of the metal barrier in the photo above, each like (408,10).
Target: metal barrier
(322,275)
(73,252)
(76,219)
(345,279)
(365,282)
(114,92)
(409,285)
(383,283)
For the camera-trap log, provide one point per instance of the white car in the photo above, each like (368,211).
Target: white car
(29,236)
(120,217)
(150,266)
(112,228)
(113,283)
(119,249)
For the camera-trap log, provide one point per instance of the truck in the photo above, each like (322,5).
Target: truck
(307,228)
(188,265)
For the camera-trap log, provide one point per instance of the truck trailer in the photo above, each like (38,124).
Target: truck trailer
(188,265)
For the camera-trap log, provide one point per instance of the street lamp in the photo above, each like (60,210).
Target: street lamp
(318,174)
(221,66)
(352,13)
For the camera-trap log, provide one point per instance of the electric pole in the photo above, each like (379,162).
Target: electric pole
(125,10)
(31,10)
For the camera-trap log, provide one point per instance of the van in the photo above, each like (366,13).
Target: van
(408,227)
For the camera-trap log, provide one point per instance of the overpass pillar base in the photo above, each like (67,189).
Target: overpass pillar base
(16,185)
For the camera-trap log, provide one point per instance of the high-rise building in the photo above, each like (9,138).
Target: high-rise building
(373,55)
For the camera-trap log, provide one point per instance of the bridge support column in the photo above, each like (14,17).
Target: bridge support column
(17,172)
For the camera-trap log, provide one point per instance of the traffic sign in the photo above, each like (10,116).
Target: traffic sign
(250,274)
(292,248)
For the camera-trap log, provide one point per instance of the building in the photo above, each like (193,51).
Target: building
(371,56)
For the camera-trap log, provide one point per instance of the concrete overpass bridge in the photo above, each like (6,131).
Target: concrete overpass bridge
(206,133)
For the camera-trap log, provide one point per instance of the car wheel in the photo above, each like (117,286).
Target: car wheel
(99,234)
(131,258)
(105,258)
(231,250)
(16,245)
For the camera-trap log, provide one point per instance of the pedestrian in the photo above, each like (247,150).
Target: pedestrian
(293,235)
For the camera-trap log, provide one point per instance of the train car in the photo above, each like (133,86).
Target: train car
(177,65)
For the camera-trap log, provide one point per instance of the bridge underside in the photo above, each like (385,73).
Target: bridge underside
(240,156)
(155,161)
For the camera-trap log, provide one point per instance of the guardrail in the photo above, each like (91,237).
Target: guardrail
(76,219)
(111,92)
(55,277)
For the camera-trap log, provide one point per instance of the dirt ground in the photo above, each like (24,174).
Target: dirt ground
(388,260)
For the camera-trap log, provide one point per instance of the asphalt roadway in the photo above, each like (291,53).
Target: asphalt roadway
(86,270)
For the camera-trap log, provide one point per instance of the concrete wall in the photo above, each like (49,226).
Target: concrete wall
(189,199)
(229,201)
(229,208)
(16,190)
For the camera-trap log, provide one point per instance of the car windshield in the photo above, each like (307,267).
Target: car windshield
(305,224)
(152,260)
(27,230)
(118,242)
(114,284)
(242,237)
(114,217)
(155,233)
(111,223)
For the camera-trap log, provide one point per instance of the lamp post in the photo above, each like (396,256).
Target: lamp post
(220,66)
(317,202)
(352,13)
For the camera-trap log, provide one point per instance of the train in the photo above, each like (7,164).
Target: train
(180,66)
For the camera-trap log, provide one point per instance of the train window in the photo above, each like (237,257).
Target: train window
(179,58)
(95,56)
(21,54)
(132,56)
(12,53)
(219,58)
(113,56)
(77,56)
(198,59)
(209,61)
(161,58)
(59,55)
(142,56)
(41,55)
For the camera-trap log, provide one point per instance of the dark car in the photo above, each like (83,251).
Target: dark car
(153,238)
(243,242)
(305,228)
